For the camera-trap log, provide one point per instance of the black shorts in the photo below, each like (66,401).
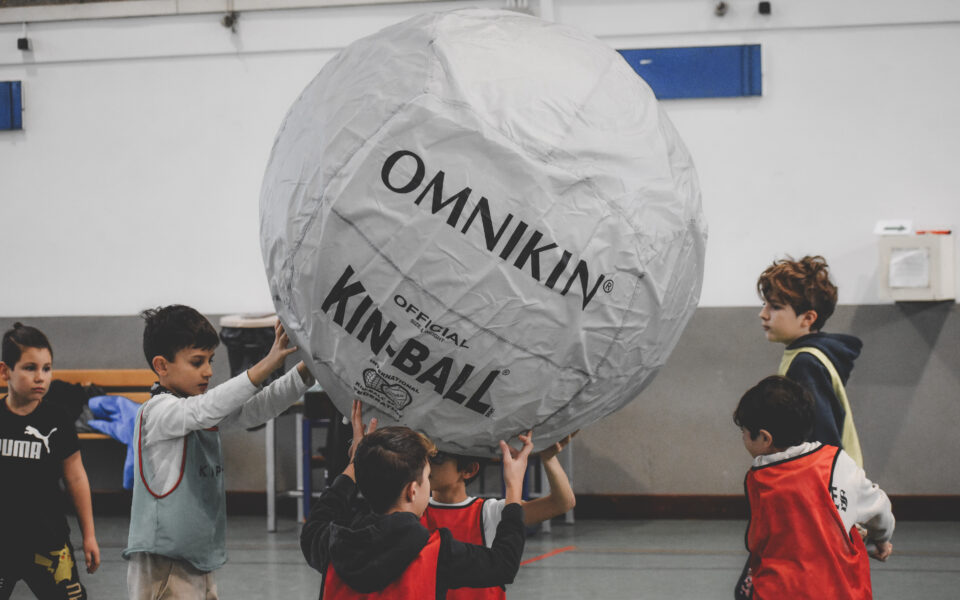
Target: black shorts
(49,574)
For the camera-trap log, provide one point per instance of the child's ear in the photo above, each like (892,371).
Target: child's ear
(808,318)
(410,491)
(765,438)
(159,364)
(471,471)
(4,371)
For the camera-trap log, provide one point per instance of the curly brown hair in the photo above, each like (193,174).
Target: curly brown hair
(802,284)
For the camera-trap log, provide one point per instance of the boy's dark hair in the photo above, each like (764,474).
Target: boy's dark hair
(802,284)
(463,462)
(388,459)
(781,406)
(17,338)
(170,329)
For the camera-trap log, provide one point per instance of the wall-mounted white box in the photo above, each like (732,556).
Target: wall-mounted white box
(917,267)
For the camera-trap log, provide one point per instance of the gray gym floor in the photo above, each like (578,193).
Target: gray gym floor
(600,560)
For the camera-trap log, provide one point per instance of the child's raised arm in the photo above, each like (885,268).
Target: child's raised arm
(336,504)
(515,466)
(259,372)
(561,497)
(356,421)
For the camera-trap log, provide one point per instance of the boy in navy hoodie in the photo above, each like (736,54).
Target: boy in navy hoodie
(798,298)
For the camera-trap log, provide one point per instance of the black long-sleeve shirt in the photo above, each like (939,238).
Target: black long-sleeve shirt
(370,550)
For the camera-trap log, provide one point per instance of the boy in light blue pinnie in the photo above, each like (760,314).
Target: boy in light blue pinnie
(178,517)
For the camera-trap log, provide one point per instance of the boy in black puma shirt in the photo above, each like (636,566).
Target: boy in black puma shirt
(38,446)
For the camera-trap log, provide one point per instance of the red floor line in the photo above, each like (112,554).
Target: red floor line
(548,554)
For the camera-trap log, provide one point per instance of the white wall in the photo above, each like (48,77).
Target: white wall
(135,181)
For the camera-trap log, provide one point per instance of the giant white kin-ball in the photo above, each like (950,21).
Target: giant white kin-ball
(478,222)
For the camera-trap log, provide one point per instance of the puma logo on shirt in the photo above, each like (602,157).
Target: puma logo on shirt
(26,448)
(31,430)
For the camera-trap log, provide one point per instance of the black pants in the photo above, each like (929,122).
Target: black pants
(49,574)
(744,589)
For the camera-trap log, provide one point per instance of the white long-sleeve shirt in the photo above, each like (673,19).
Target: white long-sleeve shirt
(858,500)
(234,404)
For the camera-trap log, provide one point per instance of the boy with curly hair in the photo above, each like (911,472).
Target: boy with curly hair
(798,298)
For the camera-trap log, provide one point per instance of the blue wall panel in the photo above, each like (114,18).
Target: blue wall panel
(10,106)
(699,72)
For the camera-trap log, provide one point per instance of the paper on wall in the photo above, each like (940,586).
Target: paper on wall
(909,268)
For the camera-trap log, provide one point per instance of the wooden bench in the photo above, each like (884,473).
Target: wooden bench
(131,383)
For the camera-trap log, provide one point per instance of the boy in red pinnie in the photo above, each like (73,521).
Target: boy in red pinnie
(805,499)
(474,520)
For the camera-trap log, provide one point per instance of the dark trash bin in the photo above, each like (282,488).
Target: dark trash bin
(248,338)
